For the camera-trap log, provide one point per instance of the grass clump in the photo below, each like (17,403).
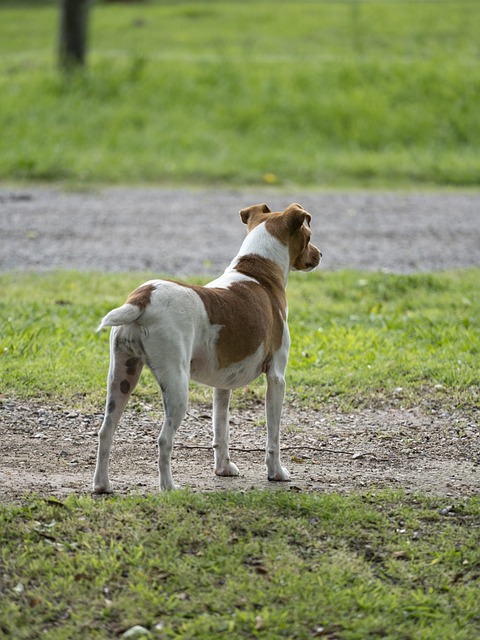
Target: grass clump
(255,565)
(357,338)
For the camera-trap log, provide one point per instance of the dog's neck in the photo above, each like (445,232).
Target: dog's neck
(260,242)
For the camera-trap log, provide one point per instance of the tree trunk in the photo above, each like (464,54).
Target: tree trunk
(73,33)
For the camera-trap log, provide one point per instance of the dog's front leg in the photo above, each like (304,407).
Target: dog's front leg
(273,409)
(223,465)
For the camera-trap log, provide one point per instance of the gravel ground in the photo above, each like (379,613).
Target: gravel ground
(50,450)
(198,231)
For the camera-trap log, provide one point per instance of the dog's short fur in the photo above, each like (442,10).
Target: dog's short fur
(224,334)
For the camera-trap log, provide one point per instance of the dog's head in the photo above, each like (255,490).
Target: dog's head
(291,227)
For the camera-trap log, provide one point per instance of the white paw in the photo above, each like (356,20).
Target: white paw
(279,475)
(100,488)
(169,487)
(227,469)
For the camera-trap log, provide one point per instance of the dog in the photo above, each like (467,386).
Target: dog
(224,334)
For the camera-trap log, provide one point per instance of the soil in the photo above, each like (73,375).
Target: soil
(50,449)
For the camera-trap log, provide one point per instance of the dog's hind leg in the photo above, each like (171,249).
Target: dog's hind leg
(175,401)
(223,465)
(123,375)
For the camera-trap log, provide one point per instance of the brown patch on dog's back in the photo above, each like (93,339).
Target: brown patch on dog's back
(141,297)
(249,313)
(269,275)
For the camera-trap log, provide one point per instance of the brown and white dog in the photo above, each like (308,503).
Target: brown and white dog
(224,334)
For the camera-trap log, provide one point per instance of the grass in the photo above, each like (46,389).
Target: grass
(317,93)
(314,93)
(360,337)
(357,338)
(255,565)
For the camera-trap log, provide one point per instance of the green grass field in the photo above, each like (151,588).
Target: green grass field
(317,93)
(254,565)
(355,337)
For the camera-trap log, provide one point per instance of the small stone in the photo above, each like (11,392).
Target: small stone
(137,632)
(447,510)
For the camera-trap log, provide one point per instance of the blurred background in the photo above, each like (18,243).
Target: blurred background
(239,92)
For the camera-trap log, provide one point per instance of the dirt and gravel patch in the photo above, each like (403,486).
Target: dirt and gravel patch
(187,232)
(50,449)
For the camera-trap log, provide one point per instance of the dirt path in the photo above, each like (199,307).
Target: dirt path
(51,449)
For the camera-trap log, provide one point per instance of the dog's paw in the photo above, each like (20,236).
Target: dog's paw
(280,475)
(102,488)
(228,469)
(169,487)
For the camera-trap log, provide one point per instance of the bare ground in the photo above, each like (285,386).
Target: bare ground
(50,450)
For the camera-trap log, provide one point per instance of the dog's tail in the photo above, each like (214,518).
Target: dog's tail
(122,315)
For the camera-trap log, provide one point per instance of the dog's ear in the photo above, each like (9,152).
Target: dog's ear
(248,213)
(296,216)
